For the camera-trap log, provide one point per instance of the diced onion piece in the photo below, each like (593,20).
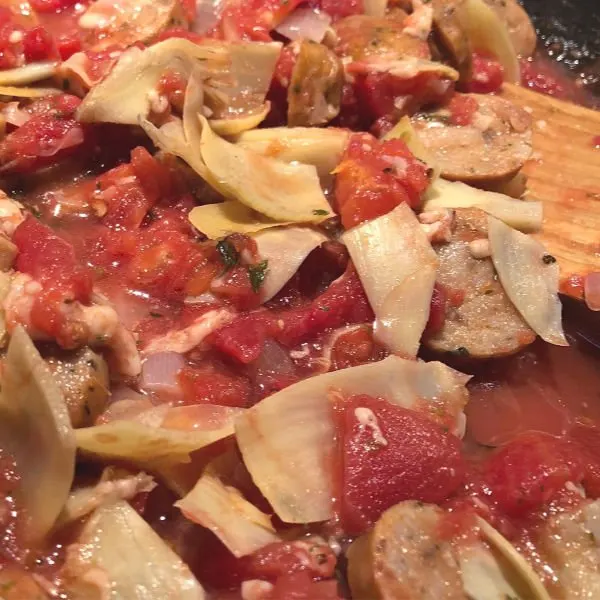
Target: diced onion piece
(592,291)
(405,68)
(222,509)
(404,131)
(85,500)
(322,148)
(219,220)
(118,555)
(27,92)
(28,74)
(160,370)
(35,428)
(397,267)
(522,215)
(375,8)
(280,191)
(305,23)
(159,437)
(285,249)
(529,276)
(235,126)
(487,33)
(287,439)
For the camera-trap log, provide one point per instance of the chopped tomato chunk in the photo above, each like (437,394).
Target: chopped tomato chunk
(529,471)
(300,586)
(374,177)
(487,76)
(462,108)
(389,454)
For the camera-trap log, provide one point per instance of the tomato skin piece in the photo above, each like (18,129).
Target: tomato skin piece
(488,75)
(529,471)
(244,338)
(374,177)
(411,458)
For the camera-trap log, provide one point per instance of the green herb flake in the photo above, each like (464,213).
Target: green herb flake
(257,274)
(155,314)
(548,259)
(324,308)
(35,212)
(319,212)
(228,254)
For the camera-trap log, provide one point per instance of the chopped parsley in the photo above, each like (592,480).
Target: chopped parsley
(257,274)
(228,254)
(155,314)
(320,212)
(548,259)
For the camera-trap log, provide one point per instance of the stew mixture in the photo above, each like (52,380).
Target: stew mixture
(273,322)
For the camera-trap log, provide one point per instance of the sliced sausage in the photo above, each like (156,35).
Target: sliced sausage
(492,146)
(480,320)
(315,89)
(361,37)
(404,557)
(519,25)
(83,378)
(451,36)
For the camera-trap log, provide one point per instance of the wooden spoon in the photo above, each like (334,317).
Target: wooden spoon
(564,173)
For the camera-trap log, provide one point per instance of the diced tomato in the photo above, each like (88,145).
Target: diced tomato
(68,44)
(586,436)
(49,136)
(338,9)
(487,75)
(437,310)
(300,586)
(38,44)
(244,338)
(343,303)
(528,472)
(462,108)
(51,6)
(210,383)
(389,454)
(156,179)
(355,348)
(374,177)
(252,19)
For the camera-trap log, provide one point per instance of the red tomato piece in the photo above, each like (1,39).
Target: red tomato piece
(437,310)
(528,472)
(344,302)
(487,76)
(374,177)
(300,586)
(355,348)
(68,44)
(38,45)
(587,437)
(51,6)
(389,454)
(49,136)
(462,108)
(209,383)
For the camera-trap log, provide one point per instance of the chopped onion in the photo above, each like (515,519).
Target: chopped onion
(222,509)
(35,428)
(159,373)
(280,191)
(403,68)
(287,439)
(305,23)
(397,267)
(219,220)
(109,489)
(529,276)
(14,115)
(486,32)
(285,249)
(322,148)
(524,215)
(592,290)
(28,74)
(27,92)
(118,555)
(161,436)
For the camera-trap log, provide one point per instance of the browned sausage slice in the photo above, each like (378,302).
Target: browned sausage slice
(404,558)
(451,35)
(493,146)
(481,321)
(361,37)
(315,89)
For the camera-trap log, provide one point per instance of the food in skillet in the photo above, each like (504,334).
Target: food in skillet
(276,319)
